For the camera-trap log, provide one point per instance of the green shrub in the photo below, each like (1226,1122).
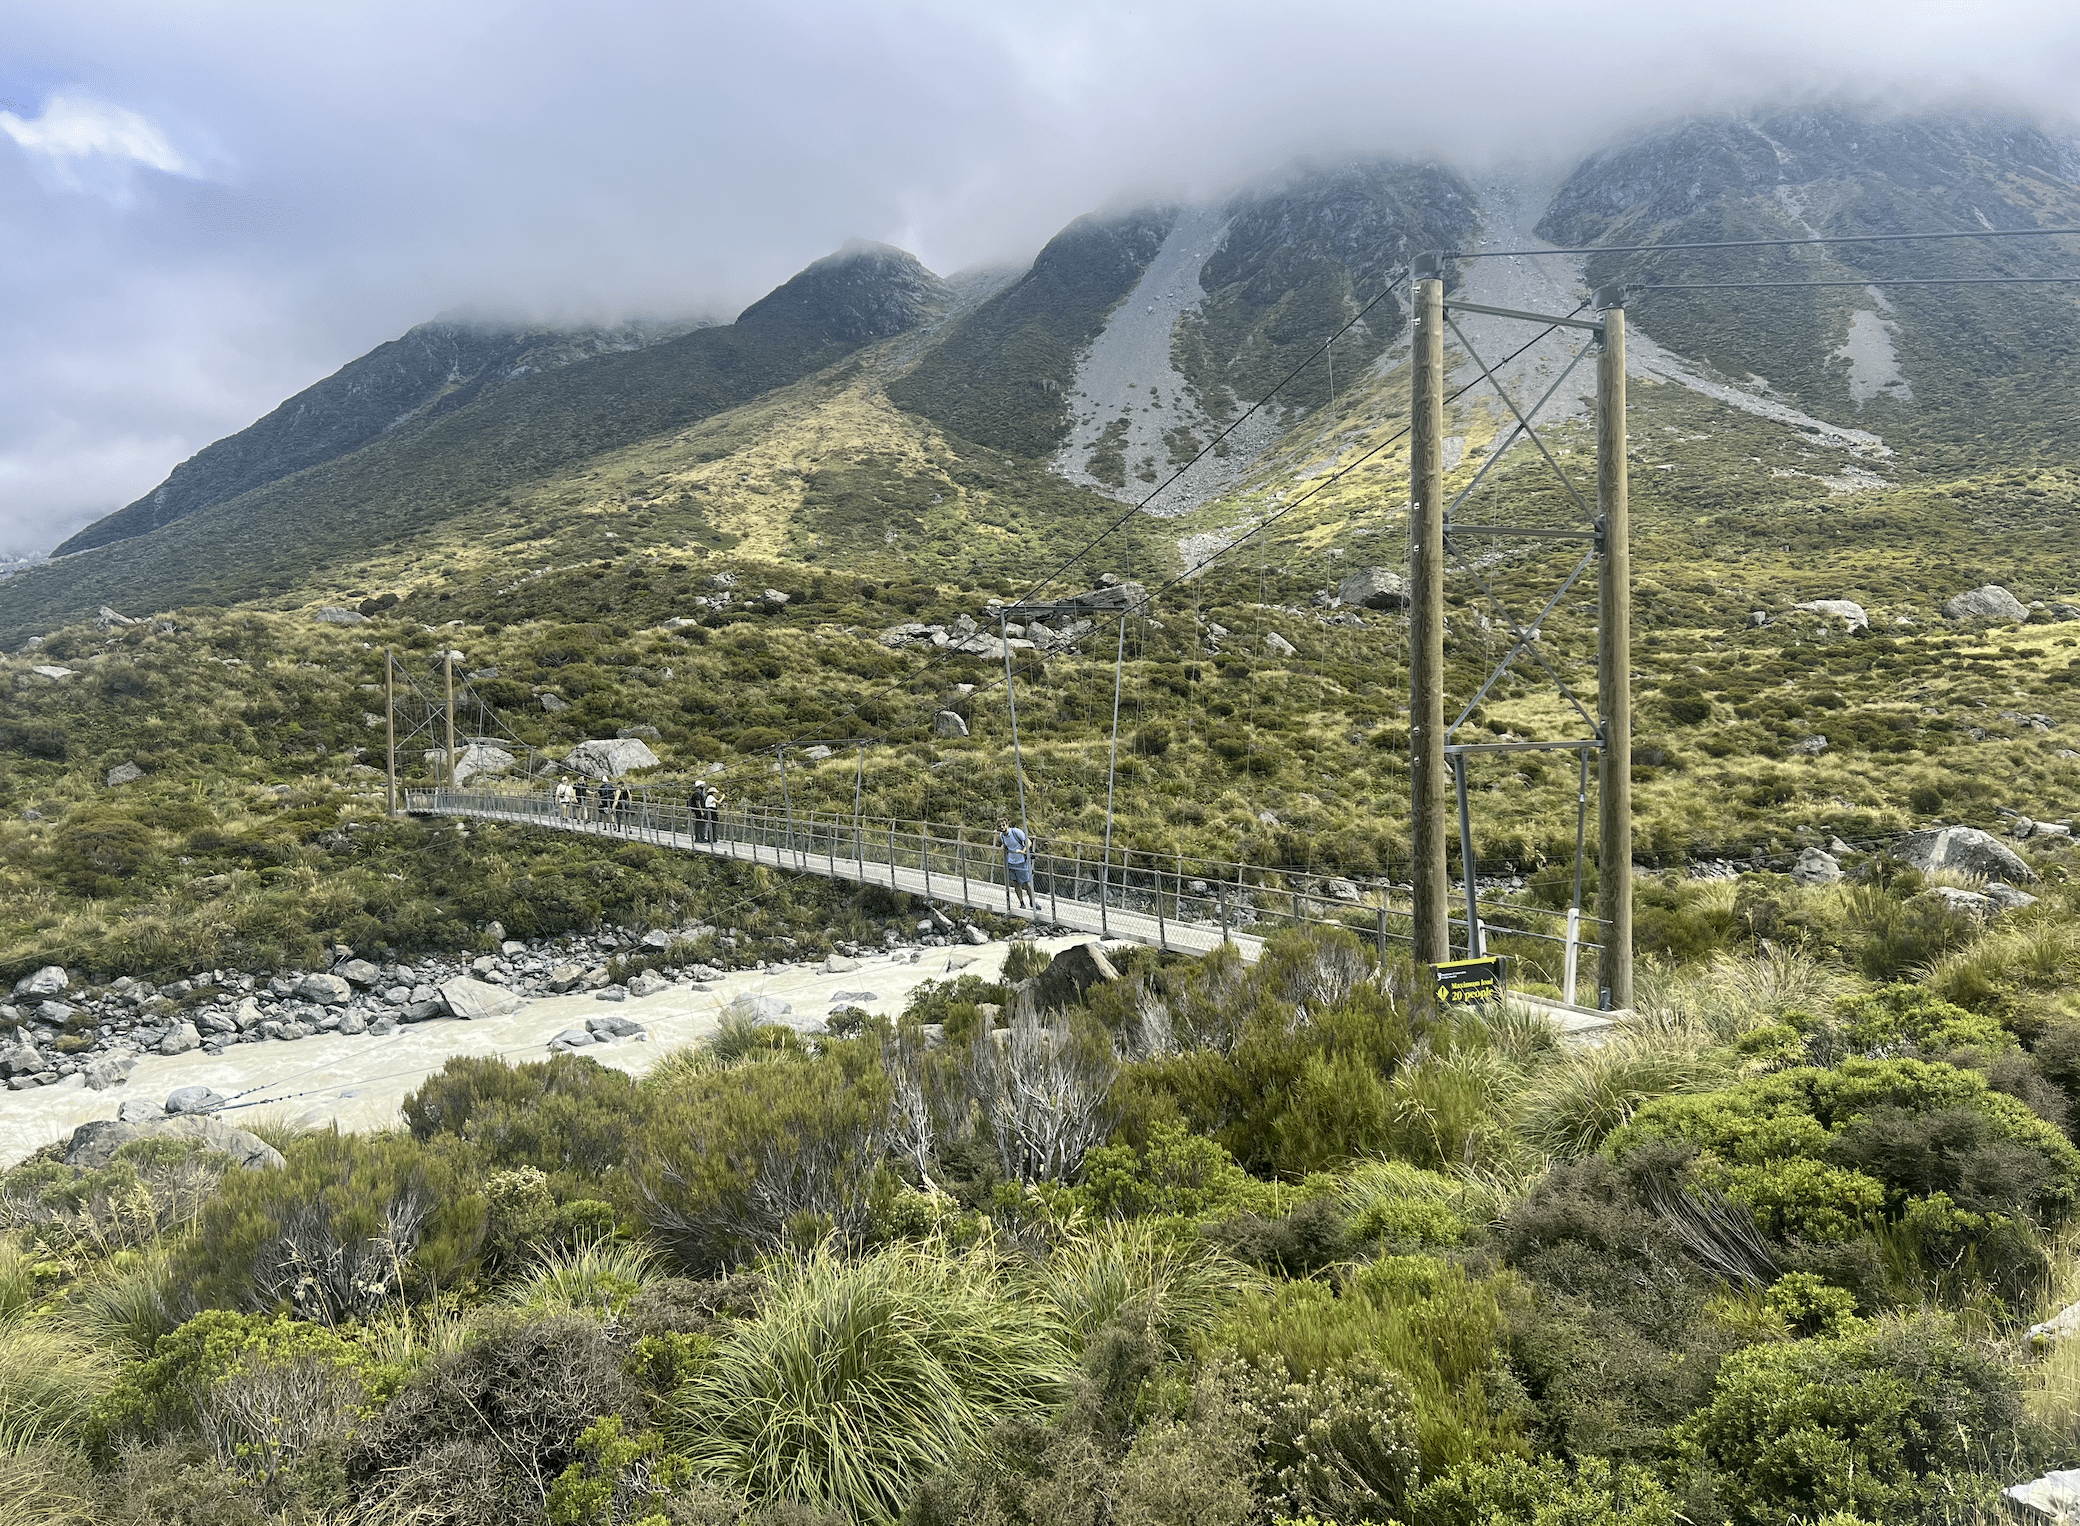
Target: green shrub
(1868,1421)
(1175,1173)
(479,1436)
(1544,1491)
(347,1224)
(1341,1443)
(568,1116)
(1422,1319)
(855,1381)
(743,1161)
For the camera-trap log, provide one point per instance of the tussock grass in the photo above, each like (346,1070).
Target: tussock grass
(1573,1106)
(594,1277)
(1735,992)
(857,1380)
(49,1381)
(127,1303)
(1138,1271)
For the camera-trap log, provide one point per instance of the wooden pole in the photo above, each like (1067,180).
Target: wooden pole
(1614,664)
(448,668)
(390,720)
(1426,777)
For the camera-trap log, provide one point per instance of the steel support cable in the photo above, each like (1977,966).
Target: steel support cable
(1160,488)
(1113,528)
(1631,289)
(1768,243)
(1523,422)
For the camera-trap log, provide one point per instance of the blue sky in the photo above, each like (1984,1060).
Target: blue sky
(208,204)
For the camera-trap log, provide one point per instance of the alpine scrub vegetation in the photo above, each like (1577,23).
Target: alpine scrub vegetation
(1763,1259)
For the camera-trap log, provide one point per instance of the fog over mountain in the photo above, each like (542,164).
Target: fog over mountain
(205,214)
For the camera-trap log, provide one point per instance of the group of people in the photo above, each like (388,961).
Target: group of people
(704,810)
(610,804)
(606,804)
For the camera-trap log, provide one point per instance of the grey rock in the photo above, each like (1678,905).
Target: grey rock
(359,972)
(564,977)
(2020,828)
(657,938)
(1989,602)
(1812,746)
(613,1025)
(648,984)
(764,1009)
(109,1070)
(106,617)
(382,1027)
(512,947)
(1848,611)
(1374,588)
(51,980)
(817,753)
(1816,866)
(180,1040)
(1081,966)
(328,990)
(1345,890)
(1966,850)
(479,760)
(194,1099)
(2052,1498)
(775,597)
(246,1014)
(218,1022)
(596,977)
(571,1038)
(21,1060)
(859,998)
(483,964)
(139,1110)
(610,758)
(352,1023)
(975,935)
(470,999)
(1969,902)
(948,724)
(2007,897)
(718,581)
(52,672)
(1278,646)
(94,1144)
(124,773)
(838,964)
(552,704)
(1757,619)
(332,614)
(55,1012)
(611,993)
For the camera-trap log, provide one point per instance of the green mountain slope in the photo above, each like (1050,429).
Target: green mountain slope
(434,370)
(335,516)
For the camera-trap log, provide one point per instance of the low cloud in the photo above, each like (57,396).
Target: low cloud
(73,128)
(202,210)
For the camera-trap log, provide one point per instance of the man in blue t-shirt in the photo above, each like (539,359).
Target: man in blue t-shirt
(1018,860)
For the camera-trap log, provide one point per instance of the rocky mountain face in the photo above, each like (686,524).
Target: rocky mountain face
(1135,337)
(435,369)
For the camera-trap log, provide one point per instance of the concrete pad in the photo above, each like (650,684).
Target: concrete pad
(360,1083)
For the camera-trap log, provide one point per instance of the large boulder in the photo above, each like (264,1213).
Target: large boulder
(1816,866)
(1278,646)
(109,1070)
(22,1060)
(326,990)
(1990,602)
(94,1145)
(469,999)
(51,980)
(180,1039)
(610,757)
(1965,850)
(1846,610)
(1079,967)
(480,760)
(1374,588)
(194,1099)
(2051,1498)
(124,773)
(359,972)
(948,724)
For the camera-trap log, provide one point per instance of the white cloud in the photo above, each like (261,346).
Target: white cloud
(77,127)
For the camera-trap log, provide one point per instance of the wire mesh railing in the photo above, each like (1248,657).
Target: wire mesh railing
(1167,898)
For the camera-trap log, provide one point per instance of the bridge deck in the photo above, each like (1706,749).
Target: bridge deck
(1162,903)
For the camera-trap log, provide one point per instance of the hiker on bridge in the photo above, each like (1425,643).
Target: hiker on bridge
(712,809)
(566,799)
(697,810)
(1018,860)
(603,810)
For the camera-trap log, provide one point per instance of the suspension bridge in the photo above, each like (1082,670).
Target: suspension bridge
(1170,901)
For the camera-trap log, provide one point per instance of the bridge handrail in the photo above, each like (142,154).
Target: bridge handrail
(1171,886)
